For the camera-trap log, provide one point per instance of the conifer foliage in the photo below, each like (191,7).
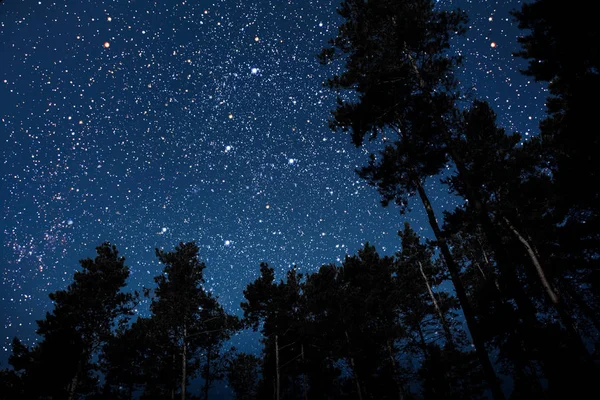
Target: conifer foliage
(61,365)
(503,301)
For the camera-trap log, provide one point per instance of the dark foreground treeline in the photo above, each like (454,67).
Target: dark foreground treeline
(520,258)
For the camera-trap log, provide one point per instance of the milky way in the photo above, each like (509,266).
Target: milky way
(146,124)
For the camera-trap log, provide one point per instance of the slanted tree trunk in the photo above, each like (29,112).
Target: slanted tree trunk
(445,327)
(173,384)
(207,377)
(508,275)
(487,265)
(184,363)
(536,263)
(74,382)
(558,305)
(396,372)
(478,342)
(276,368)
(422,341)
(304,373)
(353,366)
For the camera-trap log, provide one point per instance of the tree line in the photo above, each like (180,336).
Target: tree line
(501,303)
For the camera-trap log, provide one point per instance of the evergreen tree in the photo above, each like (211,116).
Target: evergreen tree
(132,360)
(521,202)
(11,385)
(186,319)
(556,44)
(242,374)
(356,308)
(61,364)
(446,370)
(417,275)
(279,309)
(397,64)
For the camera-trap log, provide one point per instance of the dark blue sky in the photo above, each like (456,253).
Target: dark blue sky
(149,123)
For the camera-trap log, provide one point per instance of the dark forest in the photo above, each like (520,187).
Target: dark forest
(502,303)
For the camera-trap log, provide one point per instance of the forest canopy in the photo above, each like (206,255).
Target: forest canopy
(502,302)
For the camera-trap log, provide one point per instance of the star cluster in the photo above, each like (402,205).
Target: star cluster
(149,123)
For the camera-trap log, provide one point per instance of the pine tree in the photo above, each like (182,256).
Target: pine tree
(279,309)
(132,358)
(61,364)
(354,308)
(396,62)
(446,370)
(556,44)
(186,319)
(242,374)
(520,201)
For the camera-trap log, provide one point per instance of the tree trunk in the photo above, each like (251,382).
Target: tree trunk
(487,265)
(276,368)
(184,363)
(74,382)
(422,340)
(536,263)
(207,375)
(173,384)
(482,354)
(449,339)
(556,302)
(508,275)
(396,372)
(353,365)
(304,373)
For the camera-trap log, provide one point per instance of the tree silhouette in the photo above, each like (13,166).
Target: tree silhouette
(397,64)
(279,308)
(187,319)
(242,374)
(61,364)
(521,201)
(556,45)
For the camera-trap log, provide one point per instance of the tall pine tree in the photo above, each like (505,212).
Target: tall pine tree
(397,64)
(62,364)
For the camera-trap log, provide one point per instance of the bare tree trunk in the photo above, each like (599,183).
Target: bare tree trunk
(482,354)
(277,367)
(353,365)
(445,326)
(74,382)
(536,263)
(396,372)
(478,342)
(184,363)
(207,377)
(422,340)
(483,252)
(173,384)
(556,302)
(304,373)
(483,275)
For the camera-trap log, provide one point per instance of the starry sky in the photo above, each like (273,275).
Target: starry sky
(149,123)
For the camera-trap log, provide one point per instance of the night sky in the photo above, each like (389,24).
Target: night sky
(150,123)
